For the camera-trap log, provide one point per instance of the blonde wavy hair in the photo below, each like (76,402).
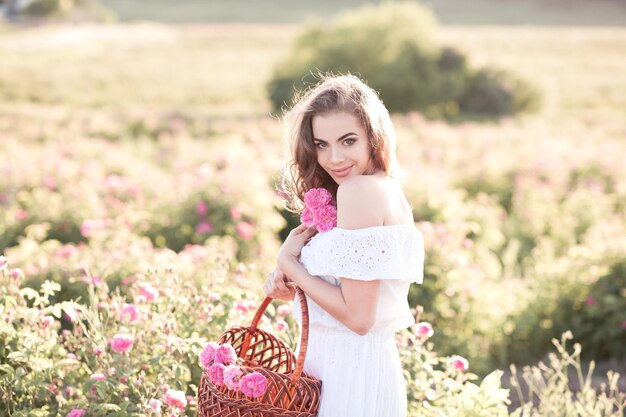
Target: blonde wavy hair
(332,94)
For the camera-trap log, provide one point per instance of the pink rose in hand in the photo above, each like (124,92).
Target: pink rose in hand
(325,218)
(306,218)
(317,197)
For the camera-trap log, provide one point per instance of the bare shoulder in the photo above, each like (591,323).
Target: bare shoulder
(359,201)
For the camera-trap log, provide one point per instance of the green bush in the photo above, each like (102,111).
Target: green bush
(391,47)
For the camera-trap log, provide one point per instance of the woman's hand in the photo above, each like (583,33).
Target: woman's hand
(275,286)
(294,243)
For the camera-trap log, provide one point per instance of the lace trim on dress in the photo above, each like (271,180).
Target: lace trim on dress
(377,252)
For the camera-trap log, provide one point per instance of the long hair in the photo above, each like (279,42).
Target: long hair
(343,93)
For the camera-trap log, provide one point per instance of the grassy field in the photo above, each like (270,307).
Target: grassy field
(477,12)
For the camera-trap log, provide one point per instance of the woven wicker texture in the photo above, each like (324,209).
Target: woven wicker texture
(290,391)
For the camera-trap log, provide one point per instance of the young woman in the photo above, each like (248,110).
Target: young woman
(355,276)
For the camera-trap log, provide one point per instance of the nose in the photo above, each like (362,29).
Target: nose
(336,156)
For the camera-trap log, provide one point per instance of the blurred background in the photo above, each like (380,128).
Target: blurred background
(146,133)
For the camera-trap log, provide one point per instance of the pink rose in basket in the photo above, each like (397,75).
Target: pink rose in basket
(317,197)
(225,354)
(207,357)
(216,373)
(253,385)
(232,375)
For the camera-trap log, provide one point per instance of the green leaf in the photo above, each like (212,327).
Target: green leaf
(17,357)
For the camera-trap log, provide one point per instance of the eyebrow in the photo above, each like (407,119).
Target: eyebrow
(340,139)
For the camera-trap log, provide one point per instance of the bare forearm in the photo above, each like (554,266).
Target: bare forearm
(326,295)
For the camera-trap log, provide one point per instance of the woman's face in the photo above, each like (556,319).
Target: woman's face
(342,145)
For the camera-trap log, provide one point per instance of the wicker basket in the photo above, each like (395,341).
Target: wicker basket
(290,391)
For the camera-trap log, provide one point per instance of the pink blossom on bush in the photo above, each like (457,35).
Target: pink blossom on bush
(76,412)
(281,325)
(306,217)
(317,197)
(122,342)
(235,213)
(590,300)
(155,405)
(207,356)
(253,385)
(66,251)
(148,292)
(3,261)
(175,398)
(17,273)
(459,362)
(97,351)
(128,313)
(216,373)
(325,218)
(98,377)
(21,214)
(71,314)
(47,321)
(89,226)
(202,208)
(204,227)
(232,375)
(424,329)
(225,354)
(245,230)
(283,309)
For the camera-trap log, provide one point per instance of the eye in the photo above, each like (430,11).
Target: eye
(320,145)
(349,141)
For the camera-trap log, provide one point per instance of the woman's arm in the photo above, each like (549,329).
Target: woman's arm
(354,302)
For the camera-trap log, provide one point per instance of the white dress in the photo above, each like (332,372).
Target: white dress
(362,375)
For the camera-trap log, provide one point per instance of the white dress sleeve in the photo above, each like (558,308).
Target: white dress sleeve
(392,254)
(382,252)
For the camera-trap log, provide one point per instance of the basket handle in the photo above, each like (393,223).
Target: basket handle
(304,336)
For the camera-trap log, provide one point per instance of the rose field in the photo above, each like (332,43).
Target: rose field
(139,219)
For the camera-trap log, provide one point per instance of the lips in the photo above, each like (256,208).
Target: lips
(341,172)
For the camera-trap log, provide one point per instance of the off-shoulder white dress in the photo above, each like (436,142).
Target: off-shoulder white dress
(362,375)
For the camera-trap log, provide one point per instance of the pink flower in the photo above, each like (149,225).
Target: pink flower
(232,375)
(216,373)
(317,197)
(281,325)
(66,251)
(175,398)
(17,273)
(148,292)
(283,309)
(245,230)
(204,227)
(3,261)
(235,213)
(98,377)
(97,351)
(459,363)
(253,385)
(128,313)
(155,405)
(325,218)
(590,300)
(89,226)
(306,218)
(76,412)
(21,214)
(225,354)
(424,329)
(71,314)
(207,356)
(47,321)
(202,208)
(122,342)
